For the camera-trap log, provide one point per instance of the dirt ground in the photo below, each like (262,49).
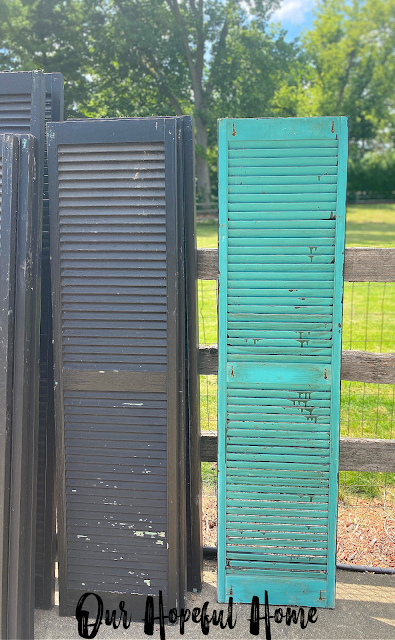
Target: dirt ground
(365,534)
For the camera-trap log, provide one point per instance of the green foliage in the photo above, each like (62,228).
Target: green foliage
(52,36)
(218,58)
(153,57)
(245,80)
(373,174)
(350,71)
(351,63)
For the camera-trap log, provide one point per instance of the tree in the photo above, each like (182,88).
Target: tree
(211,58)
(51,35)
(351,69)
(172,51)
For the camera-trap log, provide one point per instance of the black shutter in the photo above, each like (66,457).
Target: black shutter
(27,100)
(22,526)
(22,103)
(8,210)
(119,360)
(46,531)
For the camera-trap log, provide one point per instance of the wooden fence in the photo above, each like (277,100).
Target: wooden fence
(356,454)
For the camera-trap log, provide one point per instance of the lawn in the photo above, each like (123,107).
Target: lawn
(367,410)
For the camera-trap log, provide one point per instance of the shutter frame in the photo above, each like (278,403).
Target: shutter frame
(193,457)
(46,507)
(250,133)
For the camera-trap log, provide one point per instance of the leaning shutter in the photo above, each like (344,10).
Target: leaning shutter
(45,532)
(8,209)
(118,360)
(27,100)
(22,526)
(282,220)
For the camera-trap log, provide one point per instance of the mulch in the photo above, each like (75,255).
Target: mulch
(365,532)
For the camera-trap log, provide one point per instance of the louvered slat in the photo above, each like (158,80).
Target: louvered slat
(281,239)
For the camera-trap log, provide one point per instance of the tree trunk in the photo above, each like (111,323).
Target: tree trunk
(202,171)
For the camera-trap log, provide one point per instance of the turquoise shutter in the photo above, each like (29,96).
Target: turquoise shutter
(281,252)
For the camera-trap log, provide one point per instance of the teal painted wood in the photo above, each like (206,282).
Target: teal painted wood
(222,353)
(282,186)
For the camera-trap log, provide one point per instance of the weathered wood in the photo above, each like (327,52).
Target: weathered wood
(356,454)
(208,360)
(369,264)
(207,261)
(362,454)
(208,446)
(360,366)
(361,264)
(364,366)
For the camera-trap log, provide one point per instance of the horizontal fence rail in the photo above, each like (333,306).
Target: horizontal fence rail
(356,454)
(361,264)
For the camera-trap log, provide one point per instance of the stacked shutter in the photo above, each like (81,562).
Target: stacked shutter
(282,215)
(27,100)
(117,278)
(20,270)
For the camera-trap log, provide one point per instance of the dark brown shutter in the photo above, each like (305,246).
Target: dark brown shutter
(119,360)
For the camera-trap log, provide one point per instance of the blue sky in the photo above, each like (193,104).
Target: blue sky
(294,15)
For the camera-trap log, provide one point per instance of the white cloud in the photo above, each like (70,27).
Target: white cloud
(293,11)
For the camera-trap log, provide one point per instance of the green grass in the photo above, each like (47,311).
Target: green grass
(367,410)
(370,225)
(207,234)
(367,225)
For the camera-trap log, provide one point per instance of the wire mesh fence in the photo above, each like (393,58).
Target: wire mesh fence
(368,410)
(365,535)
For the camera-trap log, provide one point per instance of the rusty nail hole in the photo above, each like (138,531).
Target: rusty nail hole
(234,130)
(325,375)
(232,373)
(333,126)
